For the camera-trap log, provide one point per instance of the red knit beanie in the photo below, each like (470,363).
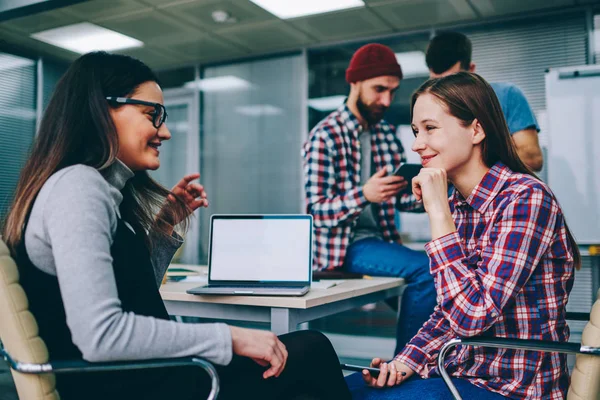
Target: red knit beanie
(372,60)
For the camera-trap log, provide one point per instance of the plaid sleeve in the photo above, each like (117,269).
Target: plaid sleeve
(329,205)
(407,201)
(473,290)
(420,354)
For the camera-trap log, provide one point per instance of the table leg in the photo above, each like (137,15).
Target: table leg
(283,320)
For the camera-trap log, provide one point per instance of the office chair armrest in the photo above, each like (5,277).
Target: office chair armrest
(504,343)
(79,366)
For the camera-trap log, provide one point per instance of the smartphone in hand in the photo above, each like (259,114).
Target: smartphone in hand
(408,172)
(349,367)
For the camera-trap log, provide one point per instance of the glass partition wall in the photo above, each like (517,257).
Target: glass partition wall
(18,111)
(252,129)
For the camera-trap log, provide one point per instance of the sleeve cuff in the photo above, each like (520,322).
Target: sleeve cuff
(226,347)
(444,251)
(415,358)
(174,241)
(359,200)
(360,197)
(519,128)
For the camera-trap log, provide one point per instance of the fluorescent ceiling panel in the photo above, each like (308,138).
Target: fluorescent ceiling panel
(413,64)
(259,110)
(326,103)
(219,84)
(286,9)
(85,37)
(8,62)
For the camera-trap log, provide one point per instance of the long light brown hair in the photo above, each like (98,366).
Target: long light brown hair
(467,97)
(77,128)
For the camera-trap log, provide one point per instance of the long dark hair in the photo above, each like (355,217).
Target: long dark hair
(467,96)
(77,128)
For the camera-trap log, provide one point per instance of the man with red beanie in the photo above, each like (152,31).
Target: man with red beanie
(352,195)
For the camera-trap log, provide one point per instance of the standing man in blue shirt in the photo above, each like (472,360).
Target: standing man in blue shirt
(449,53)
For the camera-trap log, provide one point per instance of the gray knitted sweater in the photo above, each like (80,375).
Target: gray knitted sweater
(69,235)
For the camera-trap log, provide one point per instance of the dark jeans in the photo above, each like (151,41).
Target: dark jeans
(376,257)
(417,388)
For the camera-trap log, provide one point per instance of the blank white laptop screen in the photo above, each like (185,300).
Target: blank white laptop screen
(263,248)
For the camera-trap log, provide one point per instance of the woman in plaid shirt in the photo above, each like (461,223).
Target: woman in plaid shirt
(502,256)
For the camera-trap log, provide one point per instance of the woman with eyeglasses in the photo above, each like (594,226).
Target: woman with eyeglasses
(93,235)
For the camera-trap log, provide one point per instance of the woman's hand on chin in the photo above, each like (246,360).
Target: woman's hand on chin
(431,187)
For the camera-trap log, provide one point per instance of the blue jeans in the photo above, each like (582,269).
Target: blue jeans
(417,388)
(376,257)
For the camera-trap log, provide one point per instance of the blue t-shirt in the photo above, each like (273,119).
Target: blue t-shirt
(516,109)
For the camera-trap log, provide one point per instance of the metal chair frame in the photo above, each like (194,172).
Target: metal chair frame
(516,344)
(80,366)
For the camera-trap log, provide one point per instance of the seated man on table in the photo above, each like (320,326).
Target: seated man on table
(348,158)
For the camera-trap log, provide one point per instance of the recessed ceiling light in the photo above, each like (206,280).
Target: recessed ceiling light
(219,84)
(285,9)
(326,103)
(222,17)
(259,110)
(85,37)
(413,64)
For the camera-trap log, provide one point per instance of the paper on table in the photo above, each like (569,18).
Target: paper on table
(176,271)
(325,283)
(196,278)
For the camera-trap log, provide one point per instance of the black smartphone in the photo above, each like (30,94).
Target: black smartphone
(374,371)
(408,172)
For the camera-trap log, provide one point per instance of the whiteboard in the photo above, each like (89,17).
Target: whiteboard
(573,162)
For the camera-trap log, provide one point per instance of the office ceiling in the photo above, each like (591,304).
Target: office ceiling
(182,32)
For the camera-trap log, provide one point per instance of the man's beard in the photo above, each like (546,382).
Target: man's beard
(372,114)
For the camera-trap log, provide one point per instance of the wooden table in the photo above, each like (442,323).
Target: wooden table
(282,313)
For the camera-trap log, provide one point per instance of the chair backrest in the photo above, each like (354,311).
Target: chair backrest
(19,333)
(585,379)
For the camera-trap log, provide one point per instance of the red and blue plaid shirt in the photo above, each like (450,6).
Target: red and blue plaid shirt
(506,272)
(334,196)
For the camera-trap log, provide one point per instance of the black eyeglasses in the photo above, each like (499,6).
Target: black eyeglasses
(159,116)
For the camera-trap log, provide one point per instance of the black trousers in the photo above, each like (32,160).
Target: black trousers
(312,372)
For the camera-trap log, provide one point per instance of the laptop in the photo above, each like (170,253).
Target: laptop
(259,255)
